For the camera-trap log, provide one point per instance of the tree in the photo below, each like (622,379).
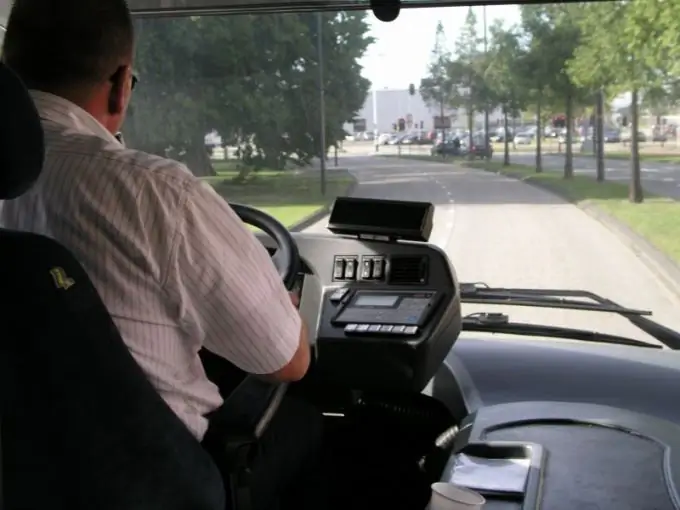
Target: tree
(435,88)
(467,71)
(502,76)
(625,57)
(554,31)
(252,79)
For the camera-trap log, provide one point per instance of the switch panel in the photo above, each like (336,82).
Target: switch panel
(345,268)
(373,267)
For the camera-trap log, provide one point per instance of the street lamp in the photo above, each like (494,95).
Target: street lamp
(486,101)
(322,104)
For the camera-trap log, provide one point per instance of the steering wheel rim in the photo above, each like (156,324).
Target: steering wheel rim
(287,256)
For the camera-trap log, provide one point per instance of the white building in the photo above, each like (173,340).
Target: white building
(384,107)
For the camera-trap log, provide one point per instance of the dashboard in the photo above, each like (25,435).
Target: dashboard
(389,310)
(591,425)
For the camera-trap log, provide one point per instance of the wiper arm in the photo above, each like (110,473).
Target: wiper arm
(499,323)
(567,299)
(542,298)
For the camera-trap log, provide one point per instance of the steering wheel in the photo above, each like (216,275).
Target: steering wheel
(287,257)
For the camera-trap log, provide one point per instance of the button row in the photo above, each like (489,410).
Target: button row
(345,268)
(372,268)
(381,329)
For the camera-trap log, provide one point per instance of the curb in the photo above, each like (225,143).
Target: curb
(319,214)
(658,262)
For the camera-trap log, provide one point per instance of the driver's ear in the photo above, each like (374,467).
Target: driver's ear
(118,94)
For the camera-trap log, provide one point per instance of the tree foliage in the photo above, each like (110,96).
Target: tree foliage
(253,79)
(558,59)
(436,88)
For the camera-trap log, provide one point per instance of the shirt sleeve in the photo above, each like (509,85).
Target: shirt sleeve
(228,289)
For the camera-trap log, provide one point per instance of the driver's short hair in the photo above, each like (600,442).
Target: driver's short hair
(59,44)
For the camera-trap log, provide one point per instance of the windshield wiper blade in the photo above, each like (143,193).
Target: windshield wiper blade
(499,323)
(479,292)
(543,298)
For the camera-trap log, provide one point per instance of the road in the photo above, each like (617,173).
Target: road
(507,233)
(661,179)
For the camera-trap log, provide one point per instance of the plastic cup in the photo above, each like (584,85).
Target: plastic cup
(447,496)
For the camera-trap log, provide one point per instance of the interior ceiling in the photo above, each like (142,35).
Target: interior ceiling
(178,7)
(185,7)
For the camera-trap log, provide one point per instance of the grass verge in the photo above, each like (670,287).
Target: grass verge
(657,219)
(289,196)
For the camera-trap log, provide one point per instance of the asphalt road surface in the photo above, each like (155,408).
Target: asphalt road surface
(659,178)
(507,233)
(662,179)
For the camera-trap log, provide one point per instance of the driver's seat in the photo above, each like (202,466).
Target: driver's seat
(81,427)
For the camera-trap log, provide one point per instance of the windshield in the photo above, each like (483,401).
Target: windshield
(251,102)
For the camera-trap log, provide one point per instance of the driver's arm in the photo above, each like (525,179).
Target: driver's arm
(229,292)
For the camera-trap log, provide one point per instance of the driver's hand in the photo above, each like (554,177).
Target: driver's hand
(295,298)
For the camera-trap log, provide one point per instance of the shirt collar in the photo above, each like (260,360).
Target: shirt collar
(65,113)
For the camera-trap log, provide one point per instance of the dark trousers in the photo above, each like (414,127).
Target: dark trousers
(287,471)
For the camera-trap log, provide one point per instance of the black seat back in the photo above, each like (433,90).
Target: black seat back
(81,427)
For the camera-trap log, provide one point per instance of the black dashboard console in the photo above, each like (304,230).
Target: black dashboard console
(390,308)
(392,219)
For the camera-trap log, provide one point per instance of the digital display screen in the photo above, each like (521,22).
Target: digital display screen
(375,300)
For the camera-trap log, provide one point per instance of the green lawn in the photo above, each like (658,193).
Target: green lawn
(657,219)
(289,196)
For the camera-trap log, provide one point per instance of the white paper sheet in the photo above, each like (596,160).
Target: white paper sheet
(491,475)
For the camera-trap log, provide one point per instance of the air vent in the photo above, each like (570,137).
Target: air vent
(408,270)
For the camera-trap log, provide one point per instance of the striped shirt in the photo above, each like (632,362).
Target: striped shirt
(175,266)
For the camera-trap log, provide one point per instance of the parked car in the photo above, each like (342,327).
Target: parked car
(611,136)
(525,138)
(450,147)
(481,148)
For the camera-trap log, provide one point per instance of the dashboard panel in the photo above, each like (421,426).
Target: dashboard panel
(384,314)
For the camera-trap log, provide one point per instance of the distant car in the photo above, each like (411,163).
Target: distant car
(525,138)
(448,148)
(611,136)
(384,138)
(481,149)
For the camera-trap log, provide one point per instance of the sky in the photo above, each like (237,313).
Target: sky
(403,47)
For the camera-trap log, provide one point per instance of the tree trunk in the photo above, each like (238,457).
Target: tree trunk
(471,126)
(600,135)
(198,160)
(539,138)
(506,142)
(635,194)
(569,154)
(441,119)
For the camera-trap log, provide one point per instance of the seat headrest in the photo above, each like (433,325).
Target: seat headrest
(22,147)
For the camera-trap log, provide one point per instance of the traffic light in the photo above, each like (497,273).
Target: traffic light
(421,124)
(624,121)
(402,125)
(411,90)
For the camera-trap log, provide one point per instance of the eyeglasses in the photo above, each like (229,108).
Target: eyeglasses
(115,77)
